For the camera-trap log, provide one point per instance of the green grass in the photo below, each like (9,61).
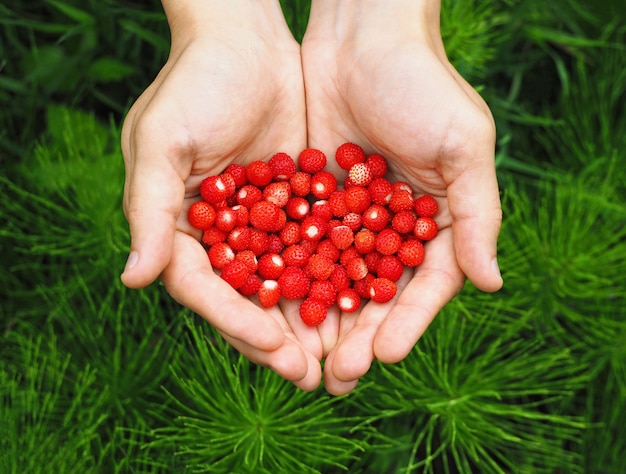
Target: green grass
(98,378)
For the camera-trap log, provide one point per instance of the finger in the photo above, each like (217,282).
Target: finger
(191,281)
(332,384)
(437,280)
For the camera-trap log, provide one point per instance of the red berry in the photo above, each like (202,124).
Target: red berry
(235,274)
(388,241)
(348,154)
(356,268)
(278,193)
(337,202)
(313,228)
(320,267)
(328,248)
(324,291)
(269,293)
(300,183)
(251,286)
(242,215)
(401,200)
(342,237)
(323,184)
(426,206)
(403,222)
(348,300)
(365,241)
(265,215)
(377,165)
(248,195)
(311,160)
(347,255)
(425,228)
(238,172)
(297,208)
(296,256)
(390,267)
(214,189)
(358,199)
(248,258)
(353,221)
(213,235)
(339,277)
(282,165)
(411,253)
(362,287)
(258,241)
(201,215)
(271,266)
(220,254)
(382,290)
(259,173)
(294,283)
(380,190)
(313,312)
(360,174)
(274,244)
(402,186)
(239,238)
(290,234)
(225,219)
(321,208)
(372,260)
(375,218)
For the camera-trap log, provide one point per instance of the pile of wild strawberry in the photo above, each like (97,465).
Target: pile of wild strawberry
(278,229)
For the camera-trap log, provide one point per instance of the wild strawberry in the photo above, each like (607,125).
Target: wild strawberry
(238,172)
(274,244)
(213,235)
(356,268)
(297,208)
(248,195)
(300,183)
(380,190)
(259,173)
(348,154)
(401,200)
(214,189)
(403,222)
(360,174)
(220,254)
(324,291)
(320,266)
(426,206)
(328,248)
(313,228)
(321,208)
(377,165)
(388,241)
(390,267)
(235,274)
(265,215)
(411,253)
(375,218)
(225,219)
(311,160)
(248,258)
(278,193)
(271,266)
(251,286)
(330,225)
(242,215)
(339,277)
(357,199)
(296,256)
(258,241)
(402,186)
(372,260)
(348,300)
(365,241)
(313,312)
(382,290)
(323,184)
(290,234)
(337,202)
(269,293)
(348,254)
(282,165)
(294,283)
(201,215)
(425,228)
(362,286)
(239,238)
(353,221)
(309,245)
(342,237)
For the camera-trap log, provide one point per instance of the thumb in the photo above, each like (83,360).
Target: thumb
(153,199)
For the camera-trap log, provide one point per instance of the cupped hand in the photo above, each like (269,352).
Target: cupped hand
(227,94)
(390,88)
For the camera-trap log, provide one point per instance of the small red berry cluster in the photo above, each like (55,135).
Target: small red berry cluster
(276,229)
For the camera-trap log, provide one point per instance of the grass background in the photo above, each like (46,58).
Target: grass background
(98,378)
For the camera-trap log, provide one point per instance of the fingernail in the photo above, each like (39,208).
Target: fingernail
(495,267)
(133,258)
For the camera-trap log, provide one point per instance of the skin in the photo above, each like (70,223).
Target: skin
(233,91)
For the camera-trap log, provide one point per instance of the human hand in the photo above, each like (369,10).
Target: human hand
(379,77)
(231,91)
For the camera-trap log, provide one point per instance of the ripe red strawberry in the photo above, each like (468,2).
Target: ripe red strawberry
(382,290)
(356,268)
(425,228)
(300,183)
(324,291)
(274,244)
(271,266)
(225,219)
(323,184)
(269,293)
(401,200)
(242,215)
(220,254)
(411,253)
(365,241)
(239,238)
(297,208)
(388,241)
(296,256)
(238,172)
(201,215)
(290,234)
(258,241)
(375,218)
(380,190)
(371,260)
(339,277)
(248,258)
(259,173)
(377,165)
(404,222)
(347,255)
(311,160)
(313,228)
(348,154)
(353,221)
(282,165)
(235,273)
(362,287)
(213,235)
(309,245)
(342,236)
(337,202)
(214,189)
(251,286)
(265,215)
(294,283)
(248,195)
(320,267)
(360,174)
(390,267)
(358,199)
(326,247)
(313,312)
(279,193)
(321,208)
(426,206)
(348,300)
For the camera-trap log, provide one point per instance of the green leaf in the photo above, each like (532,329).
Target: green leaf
(109,69)
(74,13)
